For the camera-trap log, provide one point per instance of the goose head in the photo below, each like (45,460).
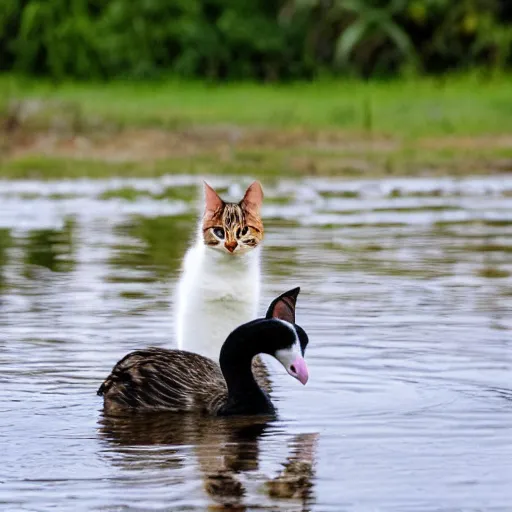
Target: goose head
(276,334)
(289,342)
(291,355)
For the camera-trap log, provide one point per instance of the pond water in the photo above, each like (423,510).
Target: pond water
(407,299)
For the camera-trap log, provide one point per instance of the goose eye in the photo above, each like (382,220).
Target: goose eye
(218,232)
(245,230)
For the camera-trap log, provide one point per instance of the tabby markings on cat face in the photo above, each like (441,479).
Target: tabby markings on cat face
(233,228)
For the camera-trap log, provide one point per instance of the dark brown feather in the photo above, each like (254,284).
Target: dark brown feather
(173,380)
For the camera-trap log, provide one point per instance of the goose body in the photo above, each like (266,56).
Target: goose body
(157,379)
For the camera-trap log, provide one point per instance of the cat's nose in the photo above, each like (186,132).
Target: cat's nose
(231,246)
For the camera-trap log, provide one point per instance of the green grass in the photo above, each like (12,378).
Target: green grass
(39,167)
(416,126)
(292,162)
(458,105)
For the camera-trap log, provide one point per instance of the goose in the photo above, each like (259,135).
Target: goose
(157,379)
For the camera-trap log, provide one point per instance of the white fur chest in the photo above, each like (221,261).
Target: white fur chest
(216,293)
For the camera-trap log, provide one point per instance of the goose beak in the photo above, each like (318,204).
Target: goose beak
(299,370)
(293,363)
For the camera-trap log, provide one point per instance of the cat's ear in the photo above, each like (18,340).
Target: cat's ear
(284,306)
(253,198)
(212,200)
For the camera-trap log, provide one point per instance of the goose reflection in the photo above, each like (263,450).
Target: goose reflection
(227,452)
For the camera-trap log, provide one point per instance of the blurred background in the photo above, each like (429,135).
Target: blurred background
(230,87)
(382,135)
(259,40)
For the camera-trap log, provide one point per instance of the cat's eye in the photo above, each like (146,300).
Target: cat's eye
(245,231)
(218,232)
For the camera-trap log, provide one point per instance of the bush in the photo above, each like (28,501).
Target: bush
(258,39)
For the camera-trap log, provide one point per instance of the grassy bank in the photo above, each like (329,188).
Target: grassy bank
(409,108)
(454,125)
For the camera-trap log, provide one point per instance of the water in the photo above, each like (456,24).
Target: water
(406,296)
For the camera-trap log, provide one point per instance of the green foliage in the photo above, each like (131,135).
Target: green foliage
(261,39)
(374,26)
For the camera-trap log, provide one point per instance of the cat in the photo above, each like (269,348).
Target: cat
(219,288)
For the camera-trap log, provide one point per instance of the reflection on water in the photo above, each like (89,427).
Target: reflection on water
(406,296)
(160,243)
(50,249)
(5,244)
(227,453)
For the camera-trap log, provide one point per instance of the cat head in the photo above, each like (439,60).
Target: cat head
(233,228)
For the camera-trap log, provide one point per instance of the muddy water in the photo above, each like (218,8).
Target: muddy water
(407,297)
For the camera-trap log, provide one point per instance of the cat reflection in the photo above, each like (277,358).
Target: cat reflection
(225,449)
